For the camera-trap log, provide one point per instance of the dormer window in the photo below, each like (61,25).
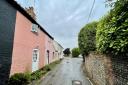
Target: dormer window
(34,28)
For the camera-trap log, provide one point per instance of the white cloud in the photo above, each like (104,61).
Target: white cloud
(63,19)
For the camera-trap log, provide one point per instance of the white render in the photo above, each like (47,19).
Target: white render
(58,50)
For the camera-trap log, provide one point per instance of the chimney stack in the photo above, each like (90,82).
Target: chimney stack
(31,12)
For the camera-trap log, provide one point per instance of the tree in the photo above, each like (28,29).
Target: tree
(67,52)
(75,52)
(86,38)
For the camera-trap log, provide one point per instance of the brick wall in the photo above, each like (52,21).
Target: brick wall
(106,70)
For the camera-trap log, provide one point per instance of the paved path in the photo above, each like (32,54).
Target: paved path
(68,71)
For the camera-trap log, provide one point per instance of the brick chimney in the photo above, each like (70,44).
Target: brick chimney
(30,11)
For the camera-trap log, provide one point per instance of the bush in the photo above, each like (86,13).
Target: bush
(75,52)
(86,38)
(26,78)
(112,31)
(47,67)
(20,79)
(37,75)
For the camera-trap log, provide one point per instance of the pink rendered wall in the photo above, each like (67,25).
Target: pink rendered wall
(49,46)
(24,43)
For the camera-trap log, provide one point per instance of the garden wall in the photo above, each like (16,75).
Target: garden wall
(120,70)
(106,70)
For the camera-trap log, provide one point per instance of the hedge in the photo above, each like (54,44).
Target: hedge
(87,39)
(75,52)
(112,30)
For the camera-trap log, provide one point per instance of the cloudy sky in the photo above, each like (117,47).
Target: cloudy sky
(63,19)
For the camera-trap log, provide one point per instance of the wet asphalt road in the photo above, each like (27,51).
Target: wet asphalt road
(66,72)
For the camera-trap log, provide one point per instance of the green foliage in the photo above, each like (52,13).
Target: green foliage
(26,78)
(38,74)
(47,67)
(75,52)
(20,79)
(86,38)
(112,31)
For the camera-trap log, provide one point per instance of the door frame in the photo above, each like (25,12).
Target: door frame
(48,59)
(35,64)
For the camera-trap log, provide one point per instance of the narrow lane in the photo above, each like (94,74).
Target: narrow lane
(68,71)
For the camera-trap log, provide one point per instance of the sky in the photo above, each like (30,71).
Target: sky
(63,19)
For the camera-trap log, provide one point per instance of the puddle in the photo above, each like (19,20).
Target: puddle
(76,82)
(67,62)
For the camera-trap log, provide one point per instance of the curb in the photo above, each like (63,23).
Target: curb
(90,81)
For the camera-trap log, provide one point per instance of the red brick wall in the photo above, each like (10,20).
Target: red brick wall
(24,43)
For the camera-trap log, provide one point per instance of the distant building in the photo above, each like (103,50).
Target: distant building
(58,50)
(24,44)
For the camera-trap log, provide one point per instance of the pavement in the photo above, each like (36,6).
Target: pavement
(69,72)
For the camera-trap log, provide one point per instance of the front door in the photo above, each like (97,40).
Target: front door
(47,57)
(35,60)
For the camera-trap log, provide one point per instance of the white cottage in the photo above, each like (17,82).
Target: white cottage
(58,50)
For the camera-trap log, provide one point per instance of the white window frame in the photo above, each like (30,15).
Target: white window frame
(34,28)
(37,53)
